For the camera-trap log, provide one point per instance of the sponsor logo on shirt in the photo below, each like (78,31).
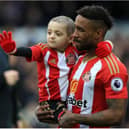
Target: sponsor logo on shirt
(73,86)
(86,76)
(71,59)
(78,103)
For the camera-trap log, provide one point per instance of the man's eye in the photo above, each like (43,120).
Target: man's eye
(80,29)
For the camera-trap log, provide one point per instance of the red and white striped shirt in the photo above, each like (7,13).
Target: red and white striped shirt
(93,81)
(53,70)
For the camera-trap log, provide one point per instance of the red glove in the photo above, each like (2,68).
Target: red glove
(6,42)
(60,115)
(104,48)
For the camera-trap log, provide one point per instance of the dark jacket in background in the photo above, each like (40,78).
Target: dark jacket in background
(7,101)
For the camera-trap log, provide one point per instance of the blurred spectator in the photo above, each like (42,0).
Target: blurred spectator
(33,16)
(17,13)
(30,34)
(8,104)
(68,8)
(11,12)
(26,90)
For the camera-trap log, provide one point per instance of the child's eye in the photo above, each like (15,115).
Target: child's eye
(58,34)
(49,32)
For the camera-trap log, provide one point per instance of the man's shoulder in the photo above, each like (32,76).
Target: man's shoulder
(114,64)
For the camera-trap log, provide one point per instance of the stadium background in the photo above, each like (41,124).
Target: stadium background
(28,21)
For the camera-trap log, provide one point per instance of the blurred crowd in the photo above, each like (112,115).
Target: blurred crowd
(28,22)
(31,13)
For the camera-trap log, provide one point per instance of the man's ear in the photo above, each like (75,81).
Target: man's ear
(99,34)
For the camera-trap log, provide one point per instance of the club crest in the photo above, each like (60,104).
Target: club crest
(71,59)
(53,61)
(87,76)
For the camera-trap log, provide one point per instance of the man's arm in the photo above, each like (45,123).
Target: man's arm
(11,77)
(109,117)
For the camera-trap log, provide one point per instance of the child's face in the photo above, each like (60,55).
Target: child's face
(57,37)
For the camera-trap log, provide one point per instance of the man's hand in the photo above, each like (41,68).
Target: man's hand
(44,115)
(104,48)
(6,42)
(67,121)
(11,77)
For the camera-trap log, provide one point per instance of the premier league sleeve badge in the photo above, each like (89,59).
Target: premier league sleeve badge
(116,84)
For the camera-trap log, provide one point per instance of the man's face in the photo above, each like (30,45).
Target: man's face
(57,36)
(84,35)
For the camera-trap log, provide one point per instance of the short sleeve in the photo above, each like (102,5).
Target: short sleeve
(116,86)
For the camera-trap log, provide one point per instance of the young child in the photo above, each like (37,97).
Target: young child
(55,59)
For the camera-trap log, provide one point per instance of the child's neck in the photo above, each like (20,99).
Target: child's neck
(62,50)
(59,50)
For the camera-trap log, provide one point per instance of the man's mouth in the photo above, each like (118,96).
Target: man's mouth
(76,42)
(77,45)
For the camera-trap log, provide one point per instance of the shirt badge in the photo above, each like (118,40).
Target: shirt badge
(71,59)
(53,61)
(86,76)
(116,84)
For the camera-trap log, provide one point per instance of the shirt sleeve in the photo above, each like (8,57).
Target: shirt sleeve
(36,53)
(116,86)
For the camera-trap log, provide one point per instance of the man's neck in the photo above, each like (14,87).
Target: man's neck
(89,55)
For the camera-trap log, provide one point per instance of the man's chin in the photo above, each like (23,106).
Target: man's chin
(76,44)
(79,48)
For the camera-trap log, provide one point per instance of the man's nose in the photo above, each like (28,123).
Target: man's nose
(75,34)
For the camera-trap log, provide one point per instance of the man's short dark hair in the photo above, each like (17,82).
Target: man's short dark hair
(96,12)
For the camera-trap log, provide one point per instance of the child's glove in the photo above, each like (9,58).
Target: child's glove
(6,42)
(59,111)
(104,48)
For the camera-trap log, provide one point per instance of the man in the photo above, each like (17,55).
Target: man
(8,79)
(98,90)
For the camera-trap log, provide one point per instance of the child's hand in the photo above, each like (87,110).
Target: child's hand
(6,42)
(104,48)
